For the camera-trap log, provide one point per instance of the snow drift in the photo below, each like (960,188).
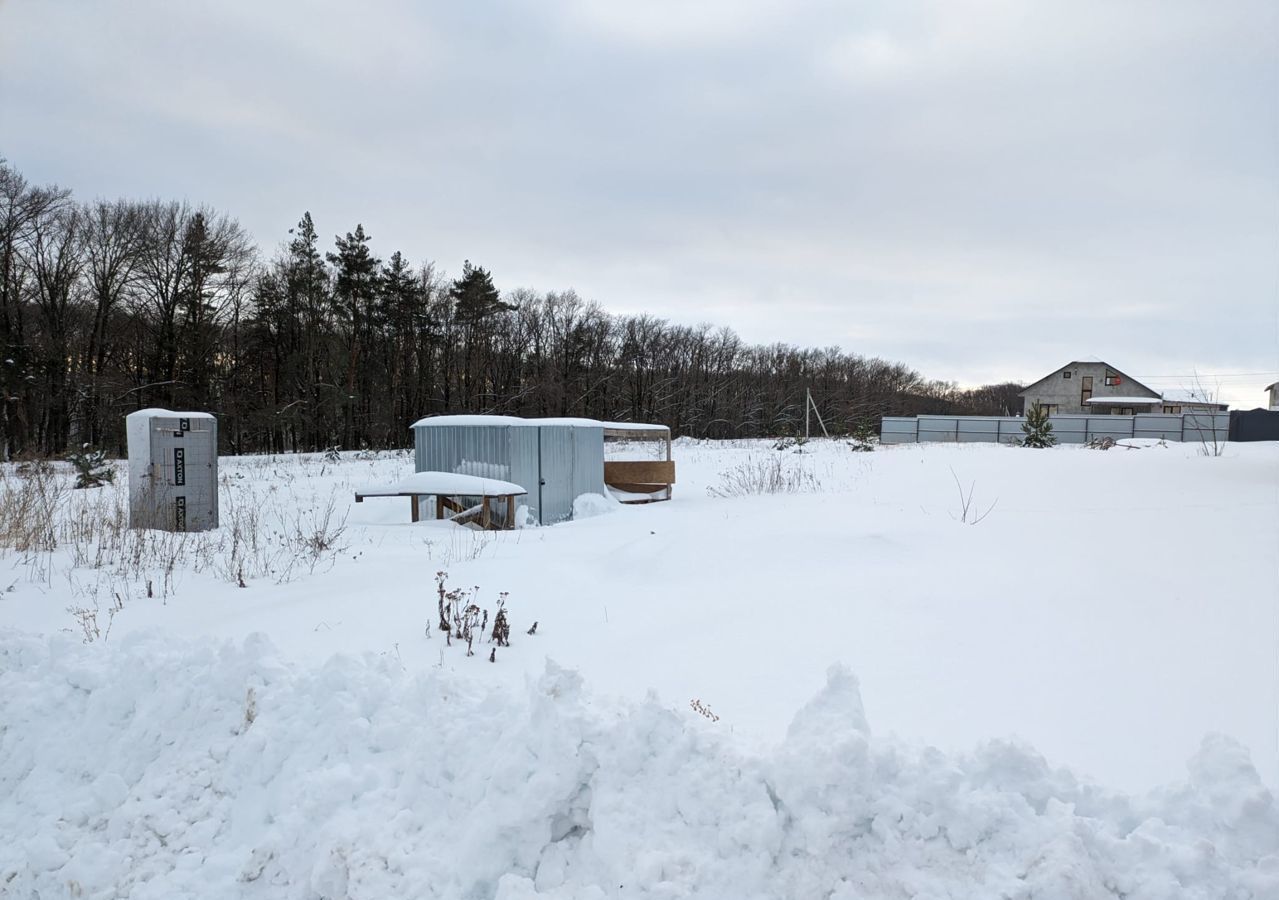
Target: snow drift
(164,768)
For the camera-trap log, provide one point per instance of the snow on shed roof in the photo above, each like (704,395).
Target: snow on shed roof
(156,413)
(1122,401)
(516,421)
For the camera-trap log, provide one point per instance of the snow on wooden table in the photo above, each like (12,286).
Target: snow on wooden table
(446,485)
(449,484)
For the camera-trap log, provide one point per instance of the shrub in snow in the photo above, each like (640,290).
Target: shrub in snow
(863,437)
(702,709)
(967,514)
(28,510)
(1037,428)
(91,466)
(460,617)
(764,475)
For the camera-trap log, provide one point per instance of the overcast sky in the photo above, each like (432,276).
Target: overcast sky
(982,190)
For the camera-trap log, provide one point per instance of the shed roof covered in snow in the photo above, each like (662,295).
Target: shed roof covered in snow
(156,413)
(516,421)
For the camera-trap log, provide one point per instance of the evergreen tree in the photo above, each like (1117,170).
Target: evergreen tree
(1038,430)
(355,287)
(474,296)
(476,305)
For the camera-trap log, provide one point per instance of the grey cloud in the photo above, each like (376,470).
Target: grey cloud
(975,188)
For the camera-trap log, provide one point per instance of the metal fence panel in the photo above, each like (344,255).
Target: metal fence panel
(898,431)
(1254,425)
(1206,426)
(1067,429)
(1116,427)
(1156,426)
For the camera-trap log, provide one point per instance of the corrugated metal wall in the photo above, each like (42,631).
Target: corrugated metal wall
(554,463)
(1192,427)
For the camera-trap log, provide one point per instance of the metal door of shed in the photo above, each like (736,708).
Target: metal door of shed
(556,453)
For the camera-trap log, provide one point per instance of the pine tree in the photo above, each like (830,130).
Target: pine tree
(355,286)
(475,298)
(1038,430)
(476,305)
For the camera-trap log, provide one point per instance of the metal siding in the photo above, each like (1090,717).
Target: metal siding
(525,467)
(569,459)
(485,451)
(588,456)
(556,447)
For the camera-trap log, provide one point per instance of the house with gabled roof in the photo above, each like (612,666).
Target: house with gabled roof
(1094,387)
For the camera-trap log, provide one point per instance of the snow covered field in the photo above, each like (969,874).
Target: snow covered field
(1095,662)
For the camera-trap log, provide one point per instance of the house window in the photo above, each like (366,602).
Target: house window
(1065,374)
(1111,379)
(1049,408)
(1174,410)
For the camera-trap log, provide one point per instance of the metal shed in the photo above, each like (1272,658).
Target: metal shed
(555,460)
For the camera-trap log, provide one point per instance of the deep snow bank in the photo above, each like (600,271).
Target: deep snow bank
(163,768)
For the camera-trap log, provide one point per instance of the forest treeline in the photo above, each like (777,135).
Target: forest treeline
(110,306)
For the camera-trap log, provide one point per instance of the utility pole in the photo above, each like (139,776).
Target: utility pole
(809,404)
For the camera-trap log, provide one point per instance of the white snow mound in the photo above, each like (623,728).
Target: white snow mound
(161,768)
(587,505)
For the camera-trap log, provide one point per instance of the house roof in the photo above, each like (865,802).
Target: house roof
(1191,397)
(1122,401)
(1126,378)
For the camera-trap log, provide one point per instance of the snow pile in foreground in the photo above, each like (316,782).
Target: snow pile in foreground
(164,768)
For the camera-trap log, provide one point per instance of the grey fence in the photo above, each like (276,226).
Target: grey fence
(1067,429)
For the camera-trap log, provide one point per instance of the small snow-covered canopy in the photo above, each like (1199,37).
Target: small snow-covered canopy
(1122,401)
(516,421)
(448,484)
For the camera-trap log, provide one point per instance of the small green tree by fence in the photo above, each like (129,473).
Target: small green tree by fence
(1038,430)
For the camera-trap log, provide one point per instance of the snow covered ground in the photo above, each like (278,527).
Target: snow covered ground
(1076,696)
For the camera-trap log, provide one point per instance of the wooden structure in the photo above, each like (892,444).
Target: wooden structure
(449,490)
(640,481)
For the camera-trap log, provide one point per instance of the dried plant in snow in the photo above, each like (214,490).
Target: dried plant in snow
(703,710)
